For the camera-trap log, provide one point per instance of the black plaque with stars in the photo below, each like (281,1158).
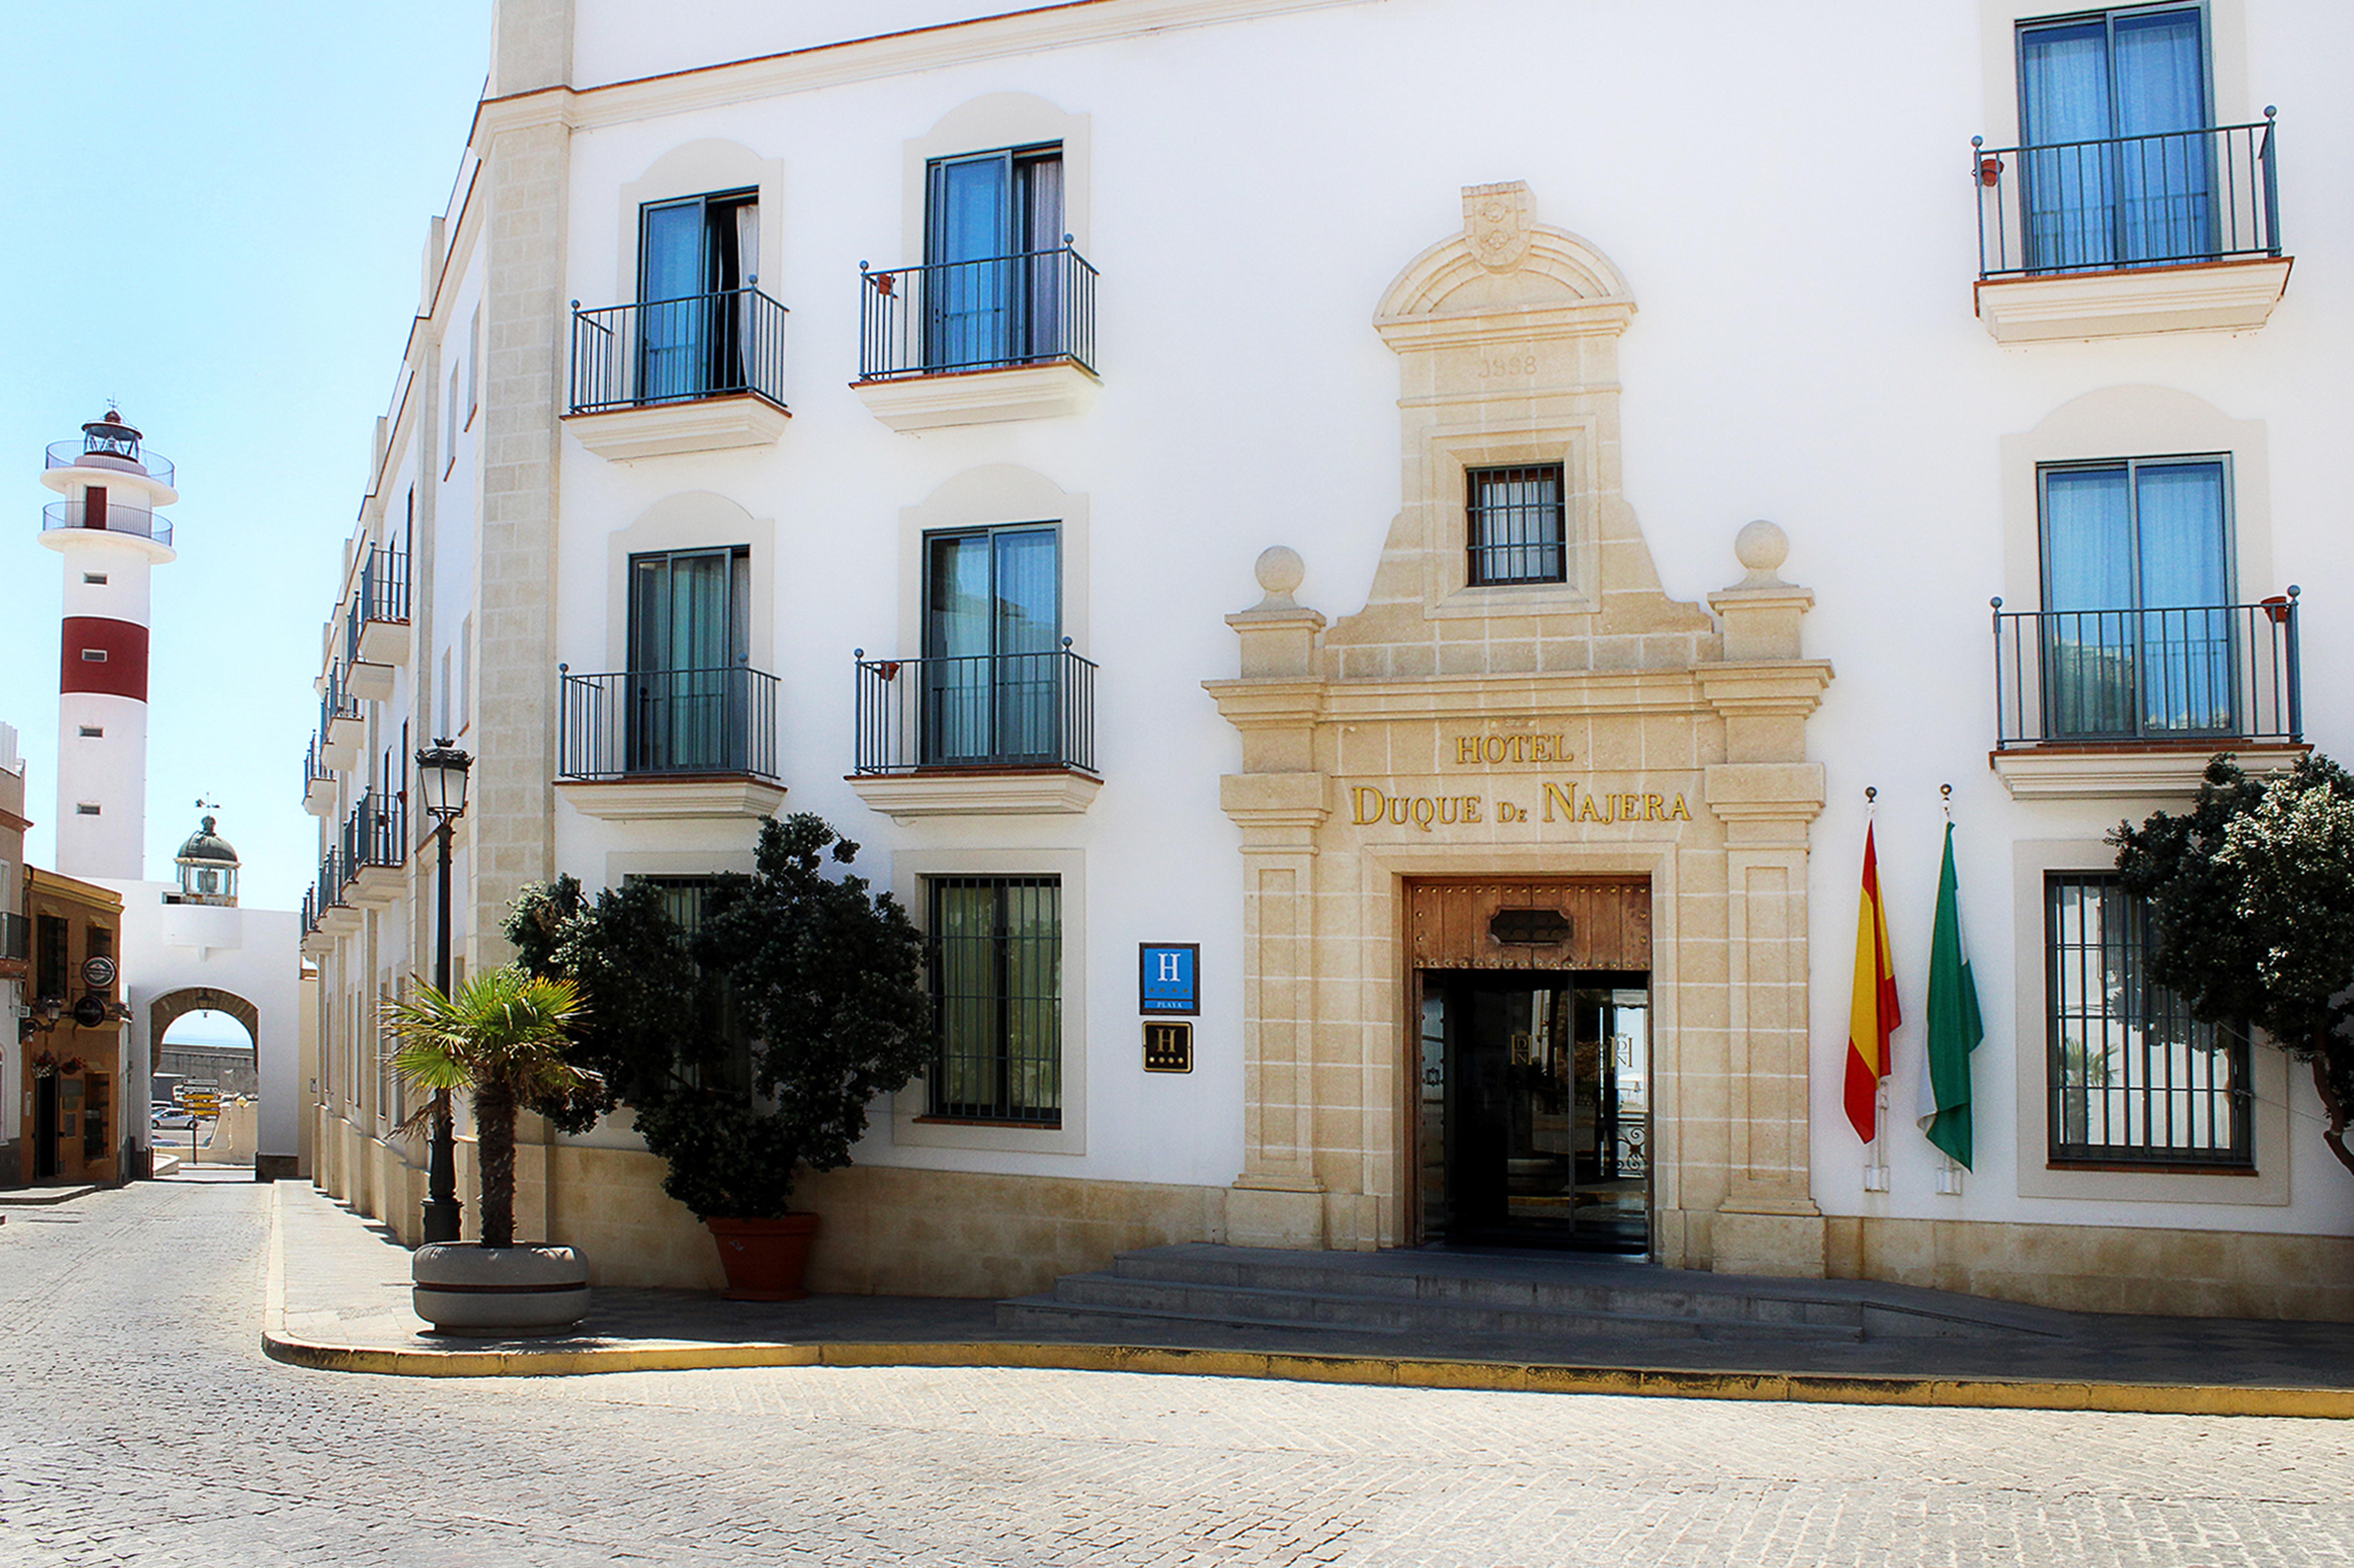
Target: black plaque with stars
(1168,1048)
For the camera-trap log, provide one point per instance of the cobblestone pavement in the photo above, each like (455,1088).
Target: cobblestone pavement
(139,1424)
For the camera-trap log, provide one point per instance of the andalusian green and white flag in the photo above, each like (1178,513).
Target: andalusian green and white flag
(1955,1027)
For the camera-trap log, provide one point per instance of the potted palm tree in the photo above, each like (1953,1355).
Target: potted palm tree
(502,1039)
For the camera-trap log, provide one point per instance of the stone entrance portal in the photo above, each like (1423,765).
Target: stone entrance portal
(1584,728)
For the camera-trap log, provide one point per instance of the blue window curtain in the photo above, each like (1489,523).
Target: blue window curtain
(2138,638)
(693,252)
(992,635)
(994,296)
(673,272)
(2113,110)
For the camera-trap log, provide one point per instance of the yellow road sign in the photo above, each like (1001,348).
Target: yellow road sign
(205,1104)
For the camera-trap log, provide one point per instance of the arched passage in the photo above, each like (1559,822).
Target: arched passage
(167,1009)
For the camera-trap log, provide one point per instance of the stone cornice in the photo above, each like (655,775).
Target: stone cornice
(1765,685)
(1070,25)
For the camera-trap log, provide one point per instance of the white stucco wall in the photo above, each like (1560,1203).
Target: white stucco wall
(1787,192)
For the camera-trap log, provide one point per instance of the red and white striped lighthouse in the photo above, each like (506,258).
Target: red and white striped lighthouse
(107,529)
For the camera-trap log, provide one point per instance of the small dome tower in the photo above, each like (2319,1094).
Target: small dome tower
(207,867)
(107,529)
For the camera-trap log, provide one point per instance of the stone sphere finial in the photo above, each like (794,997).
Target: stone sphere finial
(1280,570)
(1761,547)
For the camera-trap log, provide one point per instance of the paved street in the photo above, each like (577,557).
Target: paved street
(139,1424)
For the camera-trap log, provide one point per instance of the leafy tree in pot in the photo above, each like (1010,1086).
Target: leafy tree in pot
(2252,893)
(503,1037)
(822,975)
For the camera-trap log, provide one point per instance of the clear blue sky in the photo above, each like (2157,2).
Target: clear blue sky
(215,213)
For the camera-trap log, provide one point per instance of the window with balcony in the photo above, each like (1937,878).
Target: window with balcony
(2133,1080)
(997,981)
(700,330)
(1002,288)
(688,707)
(2125,168)
(2139,642)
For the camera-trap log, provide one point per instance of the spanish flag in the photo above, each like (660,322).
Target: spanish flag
(1872,1015)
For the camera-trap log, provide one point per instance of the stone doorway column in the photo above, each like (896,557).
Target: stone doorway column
(1766,794)
(1279,801)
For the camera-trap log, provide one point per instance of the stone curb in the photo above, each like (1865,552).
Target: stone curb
(1384,1372)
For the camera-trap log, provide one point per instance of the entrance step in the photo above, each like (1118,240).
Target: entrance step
(1444,1294)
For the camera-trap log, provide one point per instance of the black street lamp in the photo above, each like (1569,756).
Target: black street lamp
(441,779)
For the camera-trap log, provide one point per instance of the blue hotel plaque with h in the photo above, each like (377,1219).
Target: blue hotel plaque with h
(1169,979)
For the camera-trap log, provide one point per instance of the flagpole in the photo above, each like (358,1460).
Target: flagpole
(1876,1163)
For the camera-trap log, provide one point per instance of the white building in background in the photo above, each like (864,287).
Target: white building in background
(887,426)
(193,947)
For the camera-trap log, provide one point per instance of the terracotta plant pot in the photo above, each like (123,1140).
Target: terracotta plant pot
(498,1292)
(765,1260)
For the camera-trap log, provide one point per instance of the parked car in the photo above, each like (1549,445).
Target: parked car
(168,1118)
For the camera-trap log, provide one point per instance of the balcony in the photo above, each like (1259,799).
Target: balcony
(374,849)
(380,608)
(318,780)
(999,735)
(367,680)
(110,453)
(2131,234)
(331,912)
(76,525)
(702,374)
(341,730)
(648,745)
(2133,701)
(971,343)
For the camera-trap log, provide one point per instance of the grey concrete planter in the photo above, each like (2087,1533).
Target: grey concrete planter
(498,1292)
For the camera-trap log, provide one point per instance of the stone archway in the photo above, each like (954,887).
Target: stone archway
(172,1005)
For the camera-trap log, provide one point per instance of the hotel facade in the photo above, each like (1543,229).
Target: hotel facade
(1363,566)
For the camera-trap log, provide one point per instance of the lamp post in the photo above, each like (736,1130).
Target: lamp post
(441,779)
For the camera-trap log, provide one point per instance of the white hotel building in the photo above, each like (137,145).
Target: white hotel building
(880,410)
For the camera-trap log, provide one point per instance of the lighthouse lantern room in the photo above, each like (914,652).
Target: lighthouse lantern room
(110,536)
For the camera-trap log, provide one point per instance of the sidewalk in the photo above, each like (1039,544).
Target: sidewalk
(337,1299)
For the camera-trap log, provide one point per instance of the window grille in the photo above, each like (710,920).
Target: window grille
(687,901)
(2134,1078)
(1517,524)
(997,981)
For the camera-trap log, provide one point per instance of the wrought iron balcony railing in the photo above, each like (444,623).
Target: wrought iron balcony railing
(384,584)
(636,722)
(372,835)
(327,893)
(997,711)
(337,701)
(2143,677)
(2169,200)
(677,351)
(113,518)
(1034,308)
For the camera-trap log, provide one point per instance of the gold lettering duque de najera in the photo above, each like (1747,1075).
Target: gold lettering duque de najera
(1569,802)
